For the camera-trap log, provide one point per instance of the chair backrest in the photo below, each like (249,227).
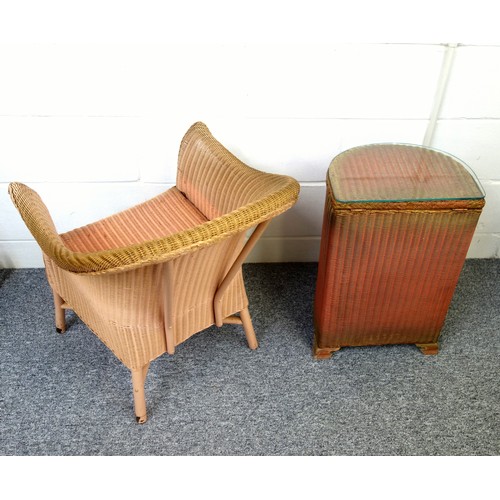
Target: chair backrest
(214,180)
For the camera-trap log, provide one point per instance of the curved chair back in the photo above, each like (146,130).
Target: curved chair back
(217,182)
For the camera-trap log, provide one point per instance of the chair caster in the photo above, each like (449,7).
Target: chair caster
(141,420)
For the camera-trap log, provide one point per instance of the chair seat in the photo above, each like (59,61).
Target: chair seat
(166,214)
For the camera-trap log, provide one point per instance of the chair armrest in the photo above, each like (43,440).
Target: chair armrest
(39,222)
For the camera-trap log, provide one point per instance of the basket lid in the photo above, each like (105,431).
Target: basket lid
(400,173)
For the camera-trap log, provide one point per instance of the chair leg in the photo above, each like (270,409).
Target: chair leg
(138,380)
(59,313)
(248,327)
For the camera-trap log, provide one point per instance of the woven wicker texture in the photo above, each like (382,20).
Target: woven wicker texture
(144,280)
(388,270)
(211,175)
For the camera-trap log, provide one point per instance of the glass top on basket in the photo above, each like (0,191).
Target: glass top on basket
(401,172)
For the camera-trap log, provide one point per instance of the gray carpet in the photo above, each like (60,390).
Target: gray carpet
(68,395)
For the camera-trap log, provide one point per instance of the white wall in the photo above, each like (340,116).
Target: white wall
(96,128)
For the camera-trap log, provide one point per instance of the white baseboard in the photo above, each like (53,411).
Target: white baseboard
(20,254)
(286,249)
(27,254)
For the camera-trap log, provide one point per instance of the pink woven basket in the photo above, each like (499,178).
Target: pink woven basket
(397,226)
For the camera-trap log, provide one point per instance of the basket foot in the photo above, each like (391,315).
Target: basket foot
(428,349)
(323,352)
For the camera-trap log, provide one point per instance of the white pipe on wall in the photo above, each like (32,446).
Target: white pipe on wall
(444,76)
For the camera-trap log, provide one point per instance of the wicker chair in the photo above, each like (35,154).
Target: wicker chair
(146,279)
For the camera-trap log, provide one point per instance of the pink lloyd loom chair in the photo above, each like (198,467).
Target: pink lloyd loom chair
(146,279)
